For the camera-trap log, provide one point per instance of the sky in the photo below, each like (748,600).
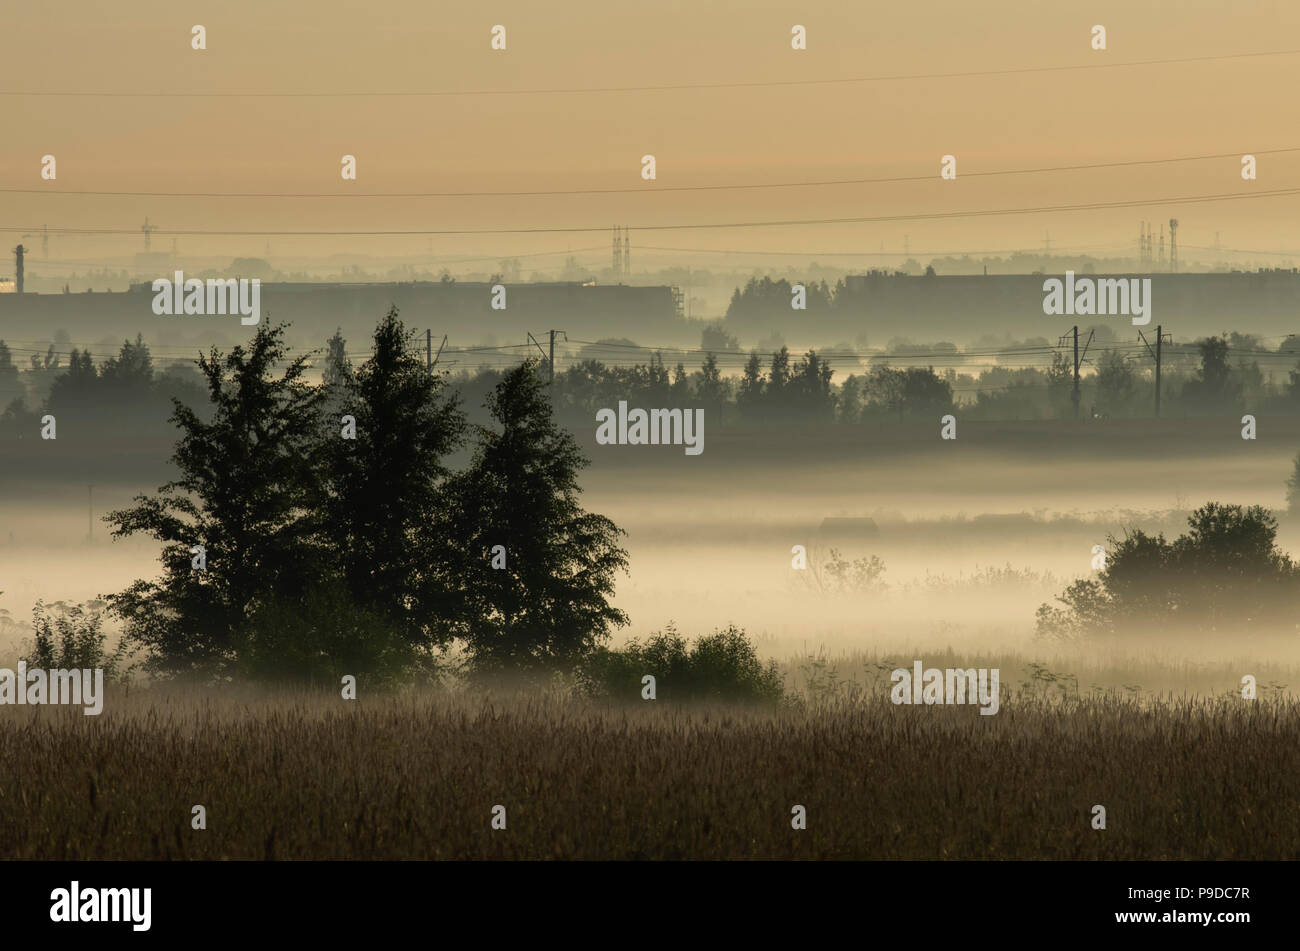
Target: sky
(500,124)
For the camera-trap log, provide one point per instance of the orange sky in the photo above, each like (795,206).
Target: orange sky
(699,137)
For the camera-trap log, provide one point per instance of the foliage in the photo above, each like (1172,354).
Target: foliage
(722,666)
(1225,572)
(73,638)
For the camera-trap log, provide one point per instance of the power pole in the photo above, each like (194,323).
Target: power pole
(1156,354)
(1074,397)
(552,357)
(1158,337)
(428,344)
(1078,362)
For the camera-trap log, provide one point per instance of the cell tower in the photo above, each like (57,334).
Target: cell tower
(148,229)
(1173,245)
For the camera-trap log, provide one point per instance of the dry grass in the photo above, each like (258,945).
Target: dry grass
(415,776)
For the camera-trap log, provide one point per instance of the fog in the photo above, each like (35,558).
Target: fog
(974,533)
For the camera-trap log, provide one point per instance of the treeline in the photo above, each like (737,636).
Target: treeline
(1217,375)
(83,396)
(1198,379)
(317,531)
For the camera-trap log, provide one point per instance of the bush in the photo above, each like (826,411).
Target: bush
(72,638)
(324,638)
(722,666)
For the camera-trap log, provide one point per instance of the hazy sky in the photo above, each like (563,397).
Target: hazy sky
(552,140)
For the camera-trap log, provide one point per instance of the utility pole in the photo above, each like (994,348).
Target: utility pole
(432,361)
(1078,362)
(552,357)
(1157,369)
(1156,354)
(1074,397)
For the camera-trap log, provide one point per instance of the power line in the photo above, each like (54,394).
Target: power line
(696,226)
(643,189)
(671,87)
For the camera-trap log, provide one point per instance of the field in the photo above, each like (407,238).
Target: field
(415,775)
(975,535)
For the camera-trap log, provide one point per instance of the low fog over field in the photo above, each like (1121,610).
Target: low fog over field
(973,534)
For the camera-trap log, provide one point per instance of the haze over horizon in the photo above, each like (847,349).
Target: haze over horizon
(501,121)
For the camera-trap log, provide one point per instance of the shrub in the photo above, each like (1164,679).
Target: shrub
(722,666)
(70,638)
(322,639)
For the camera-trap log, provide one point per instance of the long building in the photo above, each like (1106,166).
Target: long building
(462,310)
(963,308)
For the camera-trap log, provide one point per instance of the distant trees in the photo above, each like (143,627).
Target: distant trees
(84,397)
(1225,573)
(764,304)
(1116,385)
(910,392)
(10,387)
(1213,388)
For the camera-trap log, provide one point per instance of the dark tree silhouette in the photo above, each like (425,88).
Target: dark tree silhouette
(385,519)
(1225,573)
(246,482)
(548,605)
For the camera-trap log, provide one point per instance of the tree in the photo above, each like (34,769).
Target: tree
(714,337)
(247,481)
(1116,384)
(749,398)
(1293,486)
(336,377)
(386,520)
(1213,388)
(1225,570)
(11,387)
(74,394)
(129,375)
(712,389)
(547,605)
(681,388)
